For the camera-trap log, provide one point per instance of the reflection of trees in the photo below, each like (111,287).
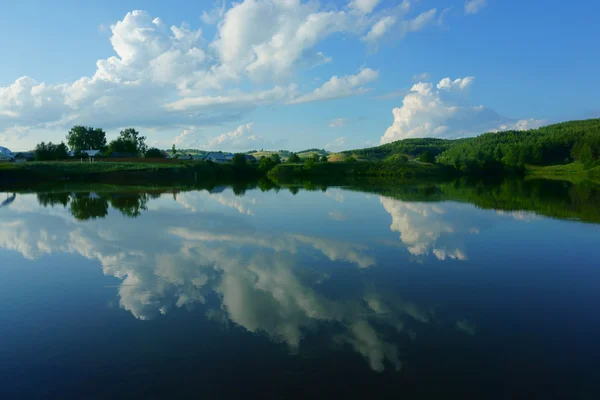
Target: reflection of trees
(556,199)
(86,206)
(93,205)
(130,204)
(239,189)
(53,199)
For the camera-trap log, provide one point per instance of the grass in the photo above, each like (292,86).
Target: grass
(123,172)
(574,172)
(260,154)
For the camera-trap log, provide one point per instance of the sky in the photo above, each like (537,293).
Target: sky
(291,74)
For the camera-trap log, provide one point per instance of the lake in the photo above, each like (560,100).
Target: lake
(454,290)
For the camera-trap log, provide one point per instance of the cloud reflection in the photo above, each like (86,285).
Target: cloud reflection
(432,228)
(267,283)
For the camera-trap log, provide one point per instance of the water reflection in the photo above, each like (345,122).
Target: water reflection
(92,205)
(270,277)
(9,199)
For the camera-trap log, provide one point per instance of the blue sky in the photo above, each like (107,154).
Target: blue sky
(292,74)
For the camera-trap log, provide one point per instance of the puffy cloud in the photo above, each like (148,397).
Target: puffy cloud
(474,6)
(426,112)
(241,138)
(271,51)
(169,77)
(460,83)
(337,87)
(380,28)
(338,122)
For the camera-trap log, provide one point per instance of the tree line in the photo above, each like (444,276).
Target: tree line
(408,147)
(81,138)
(550,145)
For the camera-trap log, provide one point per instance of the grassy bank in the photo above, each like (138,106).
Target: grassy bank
(574,172)
(122,173)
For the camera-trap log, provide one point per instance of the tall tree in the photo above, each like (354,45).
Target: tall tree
(86,138)
(129,141)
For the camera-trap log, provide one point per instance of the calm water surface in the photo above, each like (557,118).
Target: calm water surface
(407,293)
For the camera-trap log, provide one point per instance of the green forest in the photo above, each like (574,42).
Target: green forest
(409,147)
(508,151)
(551,145)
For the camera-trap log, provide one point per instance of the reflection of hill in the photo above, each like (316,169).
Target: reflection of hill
(556,199)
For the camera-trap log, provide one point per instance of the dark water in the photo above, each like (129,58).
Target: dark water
(432,291)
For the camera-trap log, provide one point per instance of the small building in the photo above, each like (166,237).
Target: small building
(185,157)
(250,158)
(6,154)
(228,156)
(216,157)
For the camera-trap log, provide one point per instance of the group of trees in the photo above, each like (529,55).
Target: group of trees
(268,163)
(50,151)
(130,142)
(554,144)
(81,138)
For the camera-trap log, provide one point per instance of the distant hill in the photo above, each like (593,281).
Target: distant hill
(550,145)
(408,147)
(555,144)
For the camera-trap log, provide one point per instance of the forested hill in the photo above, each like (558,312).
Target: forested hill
(550,145)
(409,147)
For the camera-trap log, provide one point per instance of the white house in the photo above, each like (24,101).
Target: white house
(6,154)
(216,157)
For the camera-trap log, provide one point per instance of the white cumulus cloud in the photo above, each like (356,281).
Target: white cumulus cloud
(241,138)
(337,87)
(163,76)
(427,112)
(459,83)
